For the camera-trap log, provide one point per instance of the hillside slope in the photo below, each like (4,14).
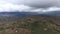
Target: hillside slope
(34,24)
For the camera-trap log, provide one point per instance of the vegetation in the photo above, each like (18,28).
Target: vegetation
(36,24)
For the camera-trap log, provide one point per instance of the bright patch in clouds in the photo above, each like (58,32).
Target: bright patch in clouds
(7,6)
(52,9)
(12,7)
(48,9)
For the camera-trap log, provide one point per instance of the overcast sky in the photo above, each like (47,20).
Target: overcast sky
(29,5)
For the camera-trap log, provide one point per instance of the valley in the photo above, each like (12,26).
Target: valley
(29,24)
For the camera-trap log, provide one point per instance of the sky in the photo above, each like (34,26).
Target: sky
(29,5)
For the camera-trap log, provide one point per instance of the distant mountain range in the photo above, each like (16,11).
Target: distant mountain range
(54,13)
(17,13)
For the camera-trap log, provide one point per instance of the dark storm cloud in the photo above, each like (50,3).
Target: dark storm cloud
(42,3)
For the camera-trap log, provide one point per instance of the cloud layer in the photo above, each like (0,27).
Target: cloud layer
(29,5)
(12,7)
